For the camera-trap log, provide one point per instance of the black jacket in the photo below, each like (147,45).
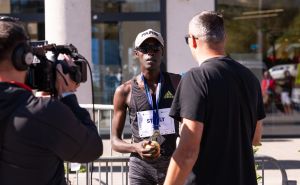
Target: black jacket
(38,134)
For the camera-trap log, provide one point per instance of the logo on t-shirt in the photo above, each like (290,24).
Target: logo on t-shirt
(168,95)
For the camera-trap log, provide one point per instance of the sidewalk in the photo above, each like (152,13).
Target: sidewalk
(284,150)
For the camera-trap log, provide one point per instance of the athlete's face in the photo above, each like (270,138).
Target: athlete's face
(149,54)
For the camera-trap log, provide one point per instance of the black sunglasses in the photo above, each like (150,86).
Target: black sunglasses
(187,38)
(146,48)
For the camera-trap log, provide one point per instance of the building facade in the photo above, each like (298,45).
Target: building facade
(262,35)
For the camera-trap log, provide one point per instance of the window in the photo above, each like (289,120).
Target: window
(264,35)
(108,6)
(27,6)
(113,55)
(115,25)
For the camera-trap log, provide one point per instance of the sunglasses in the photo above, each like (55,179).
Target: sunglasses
(187,38)
(147,48)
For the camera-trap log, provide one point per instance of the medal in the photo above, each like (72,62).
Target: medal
(155,135)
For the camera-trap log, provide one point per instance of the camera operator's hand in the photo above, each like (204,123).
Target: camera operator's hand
(64,84)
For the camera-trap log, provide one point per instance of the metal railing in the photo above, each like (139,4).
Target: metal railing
(107,170)
(114,169)
(103,171)
(103,115)
(261,160)
(110,167)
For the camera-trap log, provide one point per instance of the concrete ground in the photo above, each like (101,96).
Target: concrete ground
(285,151)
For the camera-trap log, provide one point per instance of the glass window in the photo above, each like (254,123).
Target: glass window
(264,35)
(5,6)
(27,6)
(113,57)
(114,6)
(35,30)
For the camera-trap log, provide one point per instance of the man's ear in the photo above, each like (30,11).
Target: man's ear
(194,42)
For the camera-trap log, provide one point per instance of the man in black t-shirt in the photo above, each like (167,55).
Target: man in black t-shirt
(220,106)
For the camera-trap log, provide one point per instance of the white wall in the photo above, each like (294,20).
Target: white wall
(69,22)
(179,13)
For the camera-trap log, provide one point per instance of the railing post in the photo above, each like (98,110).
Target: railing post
(263,172)
(276,163)
(87,173)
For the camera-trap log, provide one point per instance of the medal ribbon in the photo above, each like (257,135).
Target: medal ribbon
(155,119)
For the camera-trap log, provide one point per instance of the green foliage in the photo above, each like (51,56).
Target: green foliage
(81,170)
(258,177)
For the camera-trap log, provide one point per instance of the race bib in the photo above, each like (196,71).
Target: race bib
(145,123)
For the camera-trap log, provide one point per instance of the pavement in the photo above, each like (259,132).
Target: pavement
(284,150)
(287,152)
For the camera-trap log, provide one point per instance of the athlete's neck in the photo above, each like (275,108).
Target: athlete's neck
(152,77)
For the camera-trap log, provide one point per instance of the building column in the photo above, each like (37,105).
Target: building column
(179,13)
(69,22)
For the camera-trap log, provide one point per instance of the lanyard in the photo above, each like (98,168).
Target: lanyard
(149,98)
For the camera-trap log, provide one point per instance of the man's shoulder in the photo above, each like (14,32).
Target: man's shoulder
(124,88)
(47,103)
(125,85)
(173,78)
(173,75)
(195,71)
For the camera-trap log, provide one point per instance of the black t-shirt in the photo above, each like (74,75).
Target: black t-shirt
(226,97)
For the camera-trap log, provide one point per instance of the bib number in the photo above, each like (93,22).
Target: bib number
(145,123)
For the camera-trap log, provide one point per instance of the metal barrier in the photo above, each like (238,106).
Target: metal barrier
(103,171)
(101,115)
(107,170)
(262,159)
(116,167)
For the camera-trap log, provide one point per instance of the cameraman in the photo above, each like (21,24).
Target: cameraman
(38,134)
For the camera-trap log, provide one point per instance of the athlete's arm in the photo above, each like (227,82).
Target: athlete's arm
(186,153)
(258,133)
(120,107)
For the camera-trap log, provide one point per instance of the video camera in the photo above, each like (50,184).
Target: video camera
(41,75)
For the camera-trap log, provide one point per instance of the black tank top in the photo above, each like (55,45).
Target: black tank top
(139,103)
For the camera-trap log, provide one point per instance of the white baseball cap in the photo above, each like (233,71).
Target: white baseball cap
(141,37)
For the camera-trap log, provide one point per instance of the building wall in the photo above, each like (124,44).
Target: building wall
(73,17)
(179,12)
(69,22)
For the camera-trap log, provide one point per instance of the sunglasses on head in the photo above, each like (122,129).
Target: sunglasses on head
(146,48)
(9,19)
